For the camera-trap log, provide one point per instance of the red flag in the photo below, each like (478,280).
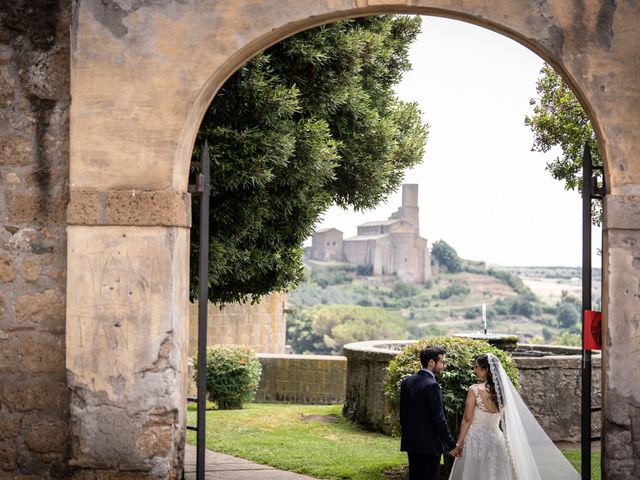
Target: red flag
(592,330)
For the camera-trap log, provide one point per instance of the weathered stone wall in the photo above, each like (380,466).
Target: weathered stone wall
(318,379)
(34,166)
(550,386)
(261,326)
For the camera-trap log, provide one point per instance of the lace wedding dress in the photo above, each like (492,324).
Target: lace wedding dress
(485,452)
(510,444)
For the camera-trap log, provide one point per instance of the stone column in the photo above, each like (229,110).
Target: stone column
(127,310)
(621,307)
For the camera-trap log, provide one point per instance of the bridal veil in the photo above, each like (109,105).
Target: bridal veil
(532,454)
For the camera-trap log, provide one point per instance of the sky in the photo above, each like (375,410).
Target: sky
(481,188)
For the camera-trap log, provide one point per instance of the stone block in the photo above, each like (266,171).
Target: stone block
(40,352)
(155,440)
(45,74)
(8,455)
(15,150)
(30,270)
(7,272)
(7,87)
(12,178)
(37,392)
(9,425)
(44,311)
(28,207)
(47,437)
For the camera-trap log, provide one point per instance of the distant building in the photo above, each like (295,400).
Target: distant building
(390,247)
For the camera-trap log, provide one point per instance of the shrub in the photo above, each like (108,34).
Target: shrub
(364,270)
(455,380)
(567,315)
(233,374)
(454,289)
(403,290)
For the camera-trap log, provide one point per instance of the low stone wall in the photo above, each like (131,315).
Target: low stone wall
(550,386)
(312,379)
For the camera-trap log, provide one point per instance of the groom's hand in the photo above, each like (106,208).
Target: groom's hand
(456,452)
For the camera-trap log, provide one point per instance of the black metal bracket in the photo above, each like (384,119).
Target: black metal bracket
(200,188)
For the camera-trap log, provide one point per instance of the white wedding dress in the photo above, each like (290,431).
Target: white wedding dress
(485,452)
(510,444)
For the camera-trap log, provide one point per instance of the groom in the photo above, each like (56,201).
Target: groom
(424,429)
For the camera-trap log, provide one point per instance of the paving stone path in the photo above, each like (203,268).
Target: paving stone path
(219,466)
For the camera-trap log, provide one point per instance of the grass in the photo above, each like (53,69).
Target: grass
(309,439)
(314,440)
(574,457)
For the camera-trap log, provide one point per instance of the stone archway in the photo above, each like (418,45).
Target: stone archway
(142,75)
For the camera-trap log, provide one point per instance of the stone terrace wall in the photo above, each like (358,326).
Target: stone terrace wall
(318,379)
(34,168)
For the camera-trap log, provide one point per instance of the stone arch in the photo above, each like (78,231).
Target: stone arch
(142,77)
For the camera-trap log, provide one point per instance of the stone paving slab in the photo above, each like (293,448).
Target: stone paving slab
(219,466)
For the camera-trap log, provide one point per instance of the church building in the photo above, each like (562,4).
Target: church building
(390,247)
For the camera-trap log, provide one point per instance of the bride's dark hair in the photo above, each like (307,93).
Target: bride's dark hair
(483,362)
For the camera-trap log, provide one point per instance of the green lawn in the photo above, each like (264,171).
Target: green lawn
(311,439)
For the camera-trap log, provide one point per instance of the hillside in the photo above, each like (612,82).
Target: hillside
(540,304)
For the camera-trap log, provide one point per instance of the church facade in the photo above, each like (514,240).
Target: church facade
(391,247)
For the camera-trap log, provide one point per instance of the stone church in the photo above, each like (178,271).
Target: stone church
(390,247)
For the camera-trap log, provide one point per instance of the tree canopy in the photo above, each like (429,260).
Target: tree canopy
(446,256)
(312,121)
(559,119)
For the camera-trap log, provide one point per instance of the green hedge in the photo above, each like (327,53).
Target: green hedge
(455,380)
(233,374)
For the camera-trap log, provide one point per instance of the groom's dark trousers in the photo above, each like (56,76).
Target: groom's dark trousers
(425,434)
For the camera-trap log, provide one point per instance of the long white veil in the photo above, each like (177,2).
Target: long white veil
(531,452)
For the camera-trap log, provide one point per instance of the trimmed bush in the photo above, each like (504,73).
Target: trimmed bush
(455,380)
(233,374)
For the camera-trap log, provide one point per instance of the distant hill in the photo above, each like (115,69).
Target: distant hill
(540,304)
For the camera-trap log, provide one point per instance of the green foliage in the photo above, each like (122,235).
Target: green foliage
(233,374)
(568,316)
(568,339)
(314,120)
(514,282)
(455,379)
(547,334)
(325,329)
(446,256)
(300,334)
(364,270)
(335,275)
(456,288)
(522,306)
(403,290)
(430,329)
(559,119)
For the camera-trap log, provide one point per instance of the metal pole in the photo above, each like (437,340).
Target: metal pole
(203,299)
(586,305)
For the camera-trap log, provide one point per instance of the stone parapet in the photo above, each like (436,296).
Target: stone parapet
(308,379)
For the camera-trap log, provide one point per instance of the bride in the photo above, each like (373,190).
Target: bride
(500,438)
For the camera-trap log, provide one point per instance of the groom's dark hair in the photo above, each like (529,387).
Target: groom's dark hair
(430,353)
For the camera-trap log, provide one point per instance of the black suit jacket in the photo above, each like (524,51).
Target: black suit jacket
(424,427)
